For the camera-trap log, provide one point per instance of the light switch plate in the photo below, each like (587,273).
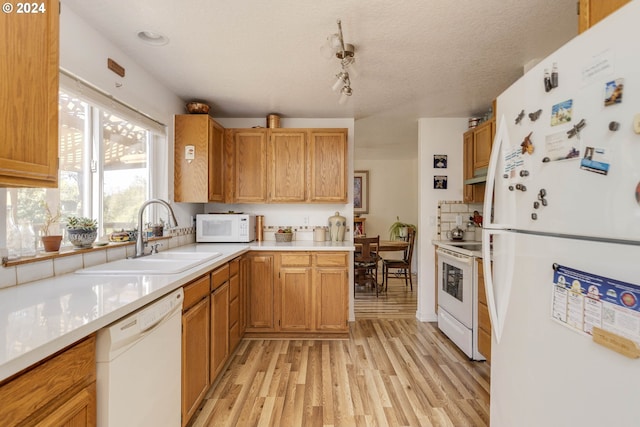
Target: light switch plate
(189,152)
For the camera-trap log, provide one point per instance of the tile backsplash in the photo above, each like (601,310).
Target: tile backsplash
(59,265)
(449,211)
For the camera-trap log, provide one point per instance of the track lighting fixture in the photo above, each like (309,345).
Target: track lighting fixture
(345,52)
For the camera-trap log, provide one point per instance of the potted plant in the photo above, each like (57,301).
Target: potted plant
(82,231)
(399,229)
(50,242)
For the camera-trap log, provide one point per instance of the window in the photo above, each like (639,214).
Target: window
(105,169)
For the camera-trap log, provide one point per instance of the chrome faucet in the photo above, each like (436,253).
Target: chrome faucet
(141,242)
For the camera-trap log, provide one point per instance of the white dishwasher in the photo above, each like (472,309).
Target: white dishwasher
(139,367)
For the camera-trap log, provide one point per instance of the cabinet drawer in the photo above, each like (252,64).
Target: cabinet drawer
(234,267)
(234,312)
(483,318)
(41,386)
(195,291)
(484,344)
(331,260)
(234,287)
(295,260)
(219,276)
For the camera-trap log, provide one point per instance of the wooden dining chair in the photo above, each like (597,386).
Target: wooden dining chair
(365,263)
(400,265)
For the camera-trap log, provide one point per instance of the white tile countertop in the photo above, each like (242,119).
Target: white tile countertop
(38,319)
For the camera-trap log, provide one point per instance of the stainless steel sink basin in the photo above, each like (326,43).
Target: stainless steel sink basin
(161,263)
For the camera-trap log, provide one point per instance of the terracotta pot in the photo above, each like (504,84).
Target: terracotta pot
(51,243)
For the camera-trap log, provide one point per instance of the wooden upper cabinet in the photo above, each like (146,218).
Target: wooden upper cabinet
(287,165)
(201,179)
(468,165)
(327,156)
(249,165)
(593,11)
(29,48)
(483,140)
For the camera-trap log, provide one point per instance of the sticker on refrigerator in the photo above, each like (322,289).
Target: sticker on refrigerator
(613,92)
(559,146)
(595,160)
(582,301)
(513,159)
(561,112)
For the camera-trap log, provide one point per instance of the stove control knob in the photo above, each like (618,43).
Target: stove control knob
(534,216)
(524,173)
(511,188)
(536,205)
(523,188)
(542,193)
(544,202)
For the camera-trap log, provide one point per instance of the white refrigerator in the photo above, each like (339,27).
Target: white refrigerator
(562,236)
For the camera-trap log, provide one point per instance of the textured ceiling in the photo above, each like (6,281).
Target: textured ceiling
(416,58)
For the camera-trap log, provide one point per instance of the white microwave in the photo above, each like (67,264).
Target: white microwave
(220,228)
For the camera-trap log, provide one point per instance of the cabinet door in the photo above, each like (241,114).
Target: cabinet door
(593,11)
(198,180)
(78,411)
(250,166)
(482,147)
(287,165)
(295,299)
(468,165)
(195,357)
(243,296)
(29,47)
(332,299)
(219,330)
(216,161)
(261,299)
(327,165)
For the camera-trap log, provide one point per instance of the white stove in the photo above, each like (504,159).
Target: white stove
(458,294)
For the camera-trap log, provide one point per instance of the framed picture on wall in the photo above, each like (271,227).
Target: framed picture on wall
(440,161)
(360,192)
(440,182)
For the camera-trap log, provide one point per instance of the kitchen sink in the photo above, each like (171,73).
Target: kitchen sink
(160,263)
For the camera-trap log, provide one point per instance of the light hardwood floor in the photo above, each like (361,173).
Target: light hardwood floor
(393,370)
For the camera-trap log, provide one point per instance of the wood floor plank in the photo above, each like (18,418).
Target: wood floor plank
(392,371)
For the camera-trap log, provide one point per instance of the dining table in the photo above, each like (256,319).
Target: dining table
(387,246)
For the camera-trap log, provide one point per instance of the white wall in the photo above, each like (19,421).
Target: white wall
(393,192)
(435,136)
(84,53)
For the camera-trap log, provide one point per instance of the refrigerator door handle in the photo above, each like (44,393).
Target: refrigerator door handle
(497,291)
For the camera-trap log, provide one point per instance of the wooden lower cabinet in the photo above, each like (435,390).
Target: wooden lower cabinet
(60,391)
(208,336)
(308,292)
(219,329)
(236,300)
(261,293)
(195,345)
(295,292)
(484,322)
